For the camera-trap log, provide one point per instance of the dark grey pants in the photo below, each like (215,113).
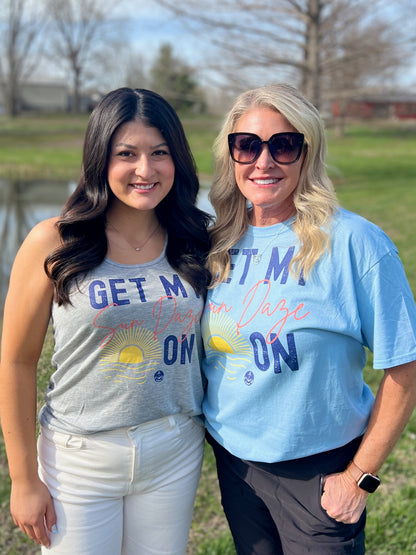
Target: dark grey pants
(275,509)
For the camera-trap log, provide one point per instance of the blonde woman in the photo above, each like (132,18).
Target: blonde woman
(300,289)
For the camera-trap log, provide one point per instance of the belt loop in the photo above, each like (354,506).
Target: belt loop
(172,421)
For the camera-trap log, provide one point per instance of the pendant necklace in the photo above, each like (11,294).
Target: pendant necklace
(256,258)
(137,249)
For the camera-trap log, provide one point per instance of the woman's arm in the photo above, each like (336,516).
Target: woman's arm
(396,398)
(26,317)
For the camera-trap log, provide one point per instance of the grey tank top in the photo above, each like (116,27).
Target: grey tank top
(127,351)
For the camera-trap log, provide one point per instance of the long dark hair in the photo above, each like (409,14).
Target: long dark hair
(82,222)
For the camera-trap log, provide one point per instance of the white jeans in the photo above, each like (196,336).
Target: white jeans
(129,491)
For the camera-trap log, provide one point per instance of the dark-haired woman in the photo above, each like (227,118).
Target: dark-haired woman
(122,275)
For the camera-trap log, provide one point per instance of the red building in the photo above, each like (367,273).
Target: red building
(383,106)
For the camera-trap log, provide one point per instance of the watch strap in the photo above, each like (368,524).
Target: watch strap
(360,476)
(355,471)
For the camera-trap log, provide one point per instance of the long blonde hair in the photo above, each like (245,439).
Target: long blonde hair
(314,198)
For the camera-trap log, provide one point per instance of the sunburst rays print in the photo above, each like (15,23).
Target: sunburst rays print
(131,355)
(225,349)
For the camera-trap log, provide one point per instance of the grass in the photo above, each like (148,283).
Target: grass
(40,146)
(46,147)
(374,171)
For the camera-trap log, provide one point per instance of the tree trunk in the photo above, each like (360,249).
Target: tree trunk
(76,96)
(313,77)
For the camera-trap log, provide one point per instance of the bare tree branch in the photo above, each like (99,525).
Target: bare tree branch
(327,43)
(20,50)
(80,28)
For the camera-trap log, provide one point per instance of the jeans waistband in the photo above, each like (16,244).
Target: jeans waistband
(326,462)
(334,460)
(165,422)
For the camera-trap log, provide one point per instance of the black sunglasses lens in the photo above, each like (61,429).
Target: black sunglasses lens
(285,148)
(245,148)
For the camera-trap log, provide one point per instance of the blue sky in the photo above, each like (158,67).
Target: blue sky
(156,25)
(147,26)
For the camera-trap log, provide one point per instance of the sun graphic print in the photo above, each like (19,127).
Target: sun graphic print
(225,349)
(130,355)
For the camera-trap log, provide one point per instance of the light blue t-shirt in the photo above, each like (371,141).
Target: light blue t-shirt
(284,357)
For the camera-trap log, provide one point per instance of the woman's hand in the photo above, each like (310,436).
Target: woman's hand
(342,499)
(32,509)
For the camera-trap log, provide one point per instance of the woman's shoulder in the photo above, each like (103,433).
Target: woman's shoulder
(351,220)
(43,238)
(28,275)
(355,230)
(45,229)
(354,224)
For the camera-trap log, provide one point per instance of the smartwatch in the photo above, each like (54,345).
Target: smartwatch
(366,481)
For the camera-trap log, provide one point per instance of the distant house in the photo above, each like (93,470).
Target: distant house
(41,96)
(45,97)
(49,96)
(382,106)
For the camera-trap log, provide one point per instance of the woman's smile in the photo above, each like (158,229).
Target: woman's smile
(144,186)
(265,182)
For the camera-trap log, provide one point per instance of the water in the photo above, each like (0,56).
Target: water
(24,204)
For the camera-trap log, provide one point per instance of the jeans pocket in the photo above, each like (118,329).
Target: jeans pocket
(62,440)
(318,500)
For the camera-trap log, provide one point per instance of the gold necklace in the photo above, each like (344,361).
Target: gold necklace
(256,258)
(137,249)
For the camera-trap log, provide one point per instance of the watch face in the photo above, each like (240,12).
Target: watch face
(369,483)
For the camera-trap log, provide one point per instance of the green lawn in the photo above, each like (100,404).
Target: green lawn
(51,146)
(374,171)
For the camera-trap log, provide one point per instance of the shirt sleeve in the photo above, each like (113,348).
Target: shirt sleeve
(388,313)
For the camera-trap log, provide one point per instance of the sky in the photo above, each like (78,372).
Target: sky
(156,25)
(149,25)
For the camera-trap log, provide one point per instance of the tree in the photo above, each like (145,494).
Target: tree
(174,80)
(133,71)
(322,46)
(20,49)
(80,30)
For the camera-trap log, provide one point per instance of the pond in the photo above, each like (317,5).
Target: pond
(23,204)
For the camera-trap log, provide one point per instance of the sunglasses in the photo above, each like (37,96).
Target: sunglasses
(284,148)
